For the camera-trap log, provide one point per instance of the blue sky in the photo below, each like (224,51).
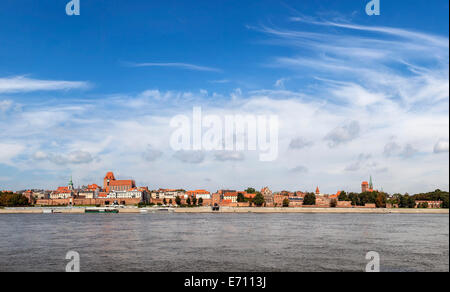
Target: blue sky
(70,85)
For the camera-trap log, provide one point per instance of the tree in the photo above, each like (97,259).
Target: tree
(403,201)
(354,198)
(396,198)
(343,196)
(411,202)
(13,200)
(258,200)
(445,203)
(200,202)
(380,201)
(286,203)
(309,199)
(240,198)
(333,203)
(164,201)
(250,190)
(170,202)
(178,200)
(194,201)
(188,201)
(436,195)
(423,205)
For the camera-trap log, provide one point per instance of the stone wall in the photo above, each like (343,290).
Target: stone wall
(87,202)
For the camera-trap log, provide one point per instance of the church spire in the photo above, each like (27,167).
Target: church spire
(370,183)
(70,183)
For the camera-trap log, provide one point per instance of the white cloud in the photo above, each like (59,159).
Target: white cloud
(8,151)
(229,156)
(76,157)
(300,169)
(193,157)
(152,154)
(5,105)
(17,84)
(300,143)
(441,147)
(176,65)
(343,134)
(408,151)
(359,100)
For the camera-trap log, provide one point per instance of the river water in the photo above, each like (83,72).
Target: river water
(224,242)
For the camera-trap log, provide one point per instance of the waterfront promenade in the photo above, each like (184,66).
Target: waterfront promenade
(81,210)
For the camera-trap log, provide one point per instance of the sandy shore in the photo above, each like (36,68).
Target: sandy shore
(229,210)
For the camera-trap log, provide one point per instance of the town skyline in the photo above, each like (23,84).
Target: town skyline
(116,191)
(314,189)
(355,95)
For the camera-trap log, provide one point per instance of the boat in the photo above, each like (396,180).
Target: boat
(101,211)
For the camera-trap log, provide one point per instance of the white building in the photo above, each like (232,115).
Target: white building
(168,194)
(130,194)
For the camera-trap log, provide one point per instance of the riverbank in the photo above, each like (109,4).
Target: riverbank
(312,210)
(81,210)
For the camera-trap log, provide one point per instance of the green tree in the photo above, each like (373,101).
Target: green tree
(188,201)
(286,203)
(354,198)
(178,200)
(200,202)
(396,198)
(436,195)
(194,201)
(170,202)
(423,205)
(445,203)
(258,200)
(240,198)
(343,196)
(250,190)
(164,201)
(309,199)
(411,202)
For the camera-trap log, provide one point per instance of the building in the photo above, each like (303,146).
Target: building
(205,195)
(367,186)
(133,193)
(111,184)
(216,199)
(168,194)
(429,204)
(318,191)
(29,195)
(268,196)
(89,192)
(230,197)
(247,195)
(61,193)
(41,195)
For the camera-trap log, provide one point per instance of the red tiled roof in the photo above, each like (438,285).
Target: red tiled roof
(93,187)
(110,176)
(198,192)
(121,182)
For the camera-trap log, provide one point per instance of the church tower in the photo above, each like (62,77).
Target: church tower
(370,184)
(70,185)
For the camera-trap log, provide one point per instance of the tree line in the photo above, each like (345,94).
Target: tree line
(13,200)
(381,199)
